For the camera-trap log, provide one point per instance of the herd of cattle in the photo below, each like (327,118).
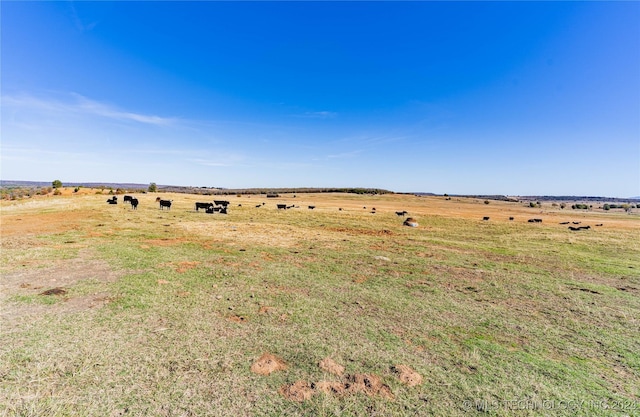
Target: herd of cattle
(221,206)
(572,228)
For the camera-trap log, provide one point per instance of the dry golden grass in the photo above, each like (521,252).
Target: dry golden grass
(166,312)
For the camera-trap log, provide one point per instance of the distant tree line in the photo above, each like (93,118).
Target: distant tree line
(244,191)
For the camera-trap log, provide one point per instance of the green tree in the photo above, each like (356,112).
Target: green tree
(57,184)
(153,187)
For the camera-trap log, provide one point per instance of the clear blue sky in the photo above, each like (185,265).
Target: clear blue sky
(517,98)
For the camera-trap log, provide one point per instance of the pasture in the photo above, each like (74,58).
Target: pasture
(299,312)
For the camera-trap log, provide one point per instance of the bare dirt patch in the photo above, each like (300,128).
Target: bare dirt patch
(267,364)
(54,280)
(331,366)
(369,384)
(407,375)
(62,273)
(298,391)
(237,319)
(163,242)
(330,387)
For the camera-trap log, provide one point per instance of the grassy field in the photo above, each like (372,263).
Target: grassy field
(172,313)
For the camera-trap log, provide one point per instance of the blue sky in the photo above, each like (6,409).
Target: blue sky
(516,98)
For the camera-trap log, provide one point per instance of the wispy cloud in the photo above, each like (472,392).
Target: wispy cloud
(79,104)
(78,22)
(318,114)
(209,163)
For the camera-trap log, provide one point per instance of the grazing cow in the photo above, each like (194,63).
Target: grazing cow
(510,218)
(259,205)
(113,200)
(535,220)
(599,224)
(222,203)
(340,209)
(577,222)
(203,206)
(134,203)
(401,213)
(164,203)
(564,223)
(127,198)
(289,207)
(312,207)
(485,218)
(282,206)
(579,228)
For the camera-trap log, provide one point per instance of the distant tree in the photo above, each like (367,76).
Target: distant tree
(57,184)
(606,207)
(153,187)
(532,204)
(563,205)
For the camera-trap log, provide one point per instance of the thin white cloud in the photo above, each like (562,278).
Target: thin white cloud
(82,105)
(78,22)
(319,114)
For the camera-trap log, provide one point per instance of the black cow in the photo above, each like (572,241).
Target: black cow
(134,203)
(203,206)
(312,207)
(485,218)
(282,206)
(401,213)
(535,220)
(164,203)
(113,200)
(127,198)
(579,228)
(222,203)
(510,218)
(563,223)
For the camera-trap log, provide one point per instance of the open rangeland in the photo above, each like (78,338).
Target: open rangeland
(336,310)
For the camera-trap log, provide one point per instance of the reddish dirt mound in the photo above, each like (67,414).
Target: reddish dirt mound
(238,319)
(407,375)
(330,387)
(298,391)
(369,384)
(265,309)
(329,365)
(185,266)
(268,363)
(352,231)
